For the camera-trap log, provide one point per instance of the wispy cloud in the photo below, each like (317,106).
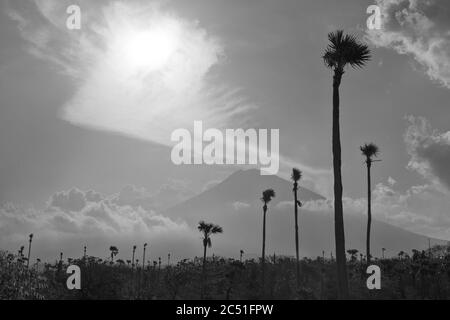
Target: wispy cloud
(118,90)
(115,92)
(420,29)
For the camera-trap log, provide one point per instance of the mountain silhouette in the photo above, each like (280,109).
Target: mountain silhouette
(235,205)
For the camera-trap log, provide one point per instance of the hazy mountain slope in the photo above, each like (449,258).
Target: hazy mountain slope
(234,204)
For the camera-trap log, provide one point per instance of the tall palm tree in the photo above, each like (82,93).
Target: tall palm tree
(114,252)
(296,176)
(343,50)
(132,260)
(207,230)
(29,249)
(369,151)
(143,257)
(241,254)
(267,196)
(21,251)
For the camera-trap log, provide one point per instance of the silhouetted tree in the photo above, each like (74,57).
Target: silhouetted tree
(369,151)
(143,256)
(114,252)
(342,50)
(207,229)
(132,259)
(29,249)
(296,176)
(240,256)
(21,251)
(267,196)
(353,254)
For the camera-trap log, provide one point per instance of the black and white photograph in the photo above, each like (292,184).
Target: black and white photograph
(237,151)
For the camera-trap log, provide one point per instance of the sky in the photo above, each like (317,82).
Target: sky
(93,109)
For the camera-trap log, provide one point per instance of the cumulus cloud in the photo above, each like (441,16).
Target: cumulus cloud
(429,151)
(74,199)
(238,206)
(169,194)
(284,205)
(420,29)
(71,221)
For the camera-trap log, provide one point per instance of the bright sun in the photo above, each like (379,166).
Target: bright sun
(151,49)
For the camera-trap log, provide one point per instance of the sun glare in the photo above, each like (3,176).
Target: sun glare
(151,49)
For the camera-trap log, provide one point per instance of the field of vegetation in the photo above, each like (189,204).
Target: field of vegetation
(423,275)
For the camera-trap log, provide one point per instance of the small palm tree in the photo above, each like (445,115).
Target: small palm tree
(267,196)
(143,256)
(369,151)
(132,259)
(343,50)
(29,249)
(21,251)
(207,230)
(353,254)
(296,176)
(241,254)
(114,252)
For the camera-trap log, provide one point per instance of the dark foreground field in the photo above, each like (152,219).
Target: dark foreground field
(419,276)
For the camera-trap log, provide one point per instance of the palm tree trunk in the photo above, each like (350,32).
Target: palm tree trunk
(29,254)
(263,260)
(338,210)
(203,269)
(296,234)
(143,260)
(369,211)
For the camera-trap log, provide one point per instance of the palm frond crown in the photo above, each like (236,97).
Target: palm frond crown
(267,195)
(209,228)
(345,49)
(296,175)
(369,150)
